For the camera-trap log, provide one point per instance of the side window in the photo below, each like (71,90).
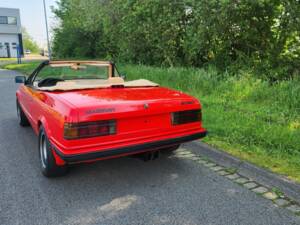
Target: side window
(3,19)
(1,45)
(11,20)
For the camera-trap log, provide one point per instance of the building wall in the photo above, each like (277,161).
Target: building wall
(8,39)
(10,33)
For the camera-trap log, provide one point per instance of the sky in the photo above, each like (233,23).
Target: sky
(32,17)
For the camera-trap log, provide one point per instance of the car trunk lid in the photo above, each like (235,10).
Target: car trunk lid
(97,104)
(137,111)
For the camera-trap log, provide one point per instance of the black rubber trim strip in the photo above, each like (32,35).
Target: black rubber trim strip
(129,149)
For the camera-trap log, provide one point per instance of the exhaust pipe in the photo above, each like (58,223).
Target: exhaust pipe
(148,156)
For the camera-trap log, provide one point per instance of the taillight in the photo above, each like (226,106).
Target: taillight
(89,129)
(187,116)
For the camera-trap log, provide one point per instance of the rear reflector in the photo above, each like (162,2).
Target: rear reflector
(188,116)
(89,129)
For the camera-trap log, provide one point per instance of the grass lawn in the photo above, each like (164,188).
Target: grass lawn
(247,117)
(5,61)
(8,59)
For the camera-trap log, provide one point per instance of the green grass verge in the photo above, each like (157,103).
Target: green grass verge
(8,59)
(26,68)
(247,117)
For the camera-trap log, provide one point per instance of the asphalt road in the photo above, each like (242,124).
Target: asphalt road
(120,191)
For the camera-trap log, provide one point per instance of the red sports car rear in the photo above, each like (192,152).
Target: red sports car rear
(86,120)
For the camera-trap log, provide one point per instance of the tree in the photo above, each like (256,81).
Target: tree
(80,29)
(262,34)
(28,42)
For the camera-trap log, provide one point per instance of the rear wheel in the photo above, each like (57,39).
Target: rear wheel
(23,121)
(47,160)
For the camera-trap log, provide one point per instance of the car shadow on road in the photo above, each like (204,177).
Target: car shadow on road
(110,190)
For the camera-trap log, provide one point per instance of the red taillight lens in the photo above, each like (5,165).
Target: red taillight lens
(188,116)
(90,129)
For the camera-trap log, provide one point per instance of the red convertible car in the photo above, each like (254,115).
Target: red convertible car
(84,111)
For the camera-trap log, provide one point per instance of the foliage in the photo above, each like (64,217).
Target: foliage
(26,68)
(246,117)
(28,42)
(262,35)
(80,32)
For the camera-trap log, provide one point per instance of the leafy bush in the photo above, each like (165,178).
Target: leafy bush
(28,42)
(261,36)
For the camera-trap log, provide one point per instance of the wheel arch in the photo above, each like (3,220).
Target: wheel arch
(43,122)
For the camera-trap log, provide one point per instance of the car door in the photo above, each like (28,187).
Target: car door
(35,104)
(24,100)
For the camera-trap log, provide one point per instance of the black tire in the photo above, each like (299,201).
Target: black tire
(23,121)
(47,160)
(169,150)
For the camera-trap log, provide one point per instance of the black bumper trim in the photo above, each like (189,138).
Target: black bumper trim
(128,149)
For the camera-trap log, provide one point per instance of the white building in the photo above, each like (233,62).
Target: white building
(10,32)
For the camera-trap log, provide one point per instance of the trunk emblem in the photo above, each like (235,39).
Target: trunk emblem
(146,106)
(95,111)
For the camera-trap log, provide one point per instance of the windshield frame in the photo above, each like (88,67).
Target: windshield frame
(109,64)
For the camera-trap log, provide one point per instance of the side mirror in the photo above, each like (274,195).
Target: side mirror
(20,79)
(123,76)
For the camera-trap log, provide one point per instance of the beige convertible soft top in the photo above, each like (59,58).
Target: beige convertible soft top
(97,83)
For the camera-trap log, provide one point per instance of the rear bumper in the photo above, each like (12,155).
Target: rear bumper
(128,150)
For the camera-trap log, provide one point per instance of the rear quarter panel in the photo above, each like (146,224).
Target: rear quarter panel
(52,112)
(46,109)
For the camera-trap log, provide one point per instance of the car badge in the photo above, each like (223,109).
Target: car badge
(146,106)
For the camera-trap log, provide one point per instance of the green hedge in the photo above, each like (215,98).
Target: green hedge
(261,36)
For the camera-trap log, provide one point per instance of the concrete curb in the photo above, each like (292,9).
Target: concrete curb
(263,176)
